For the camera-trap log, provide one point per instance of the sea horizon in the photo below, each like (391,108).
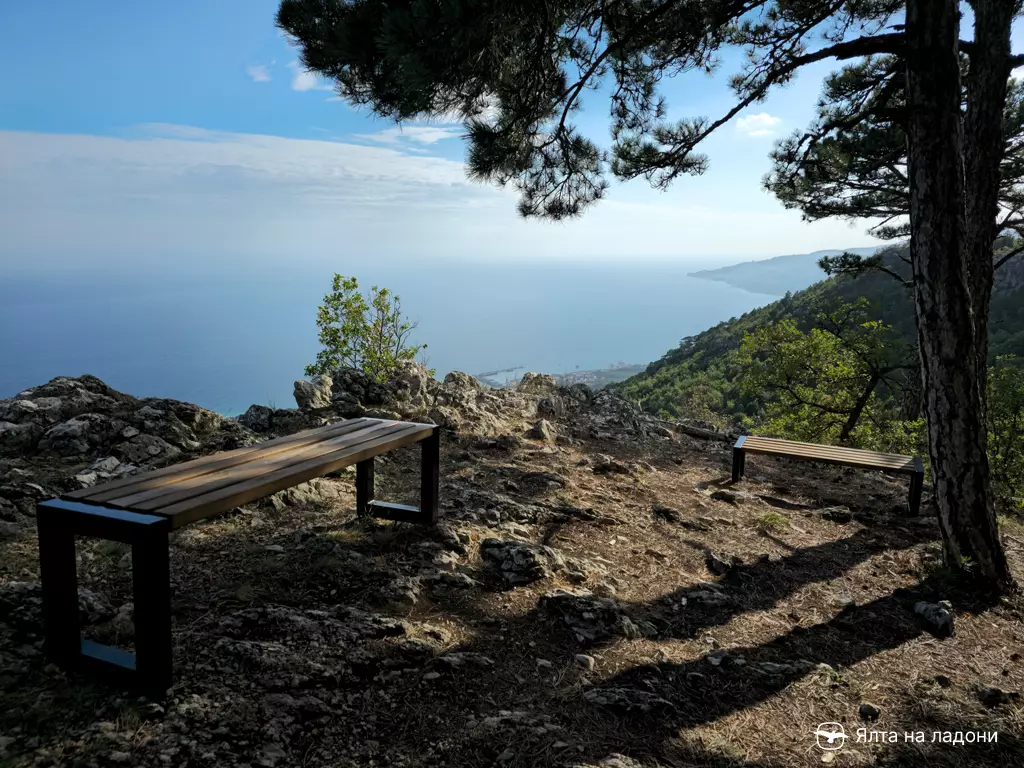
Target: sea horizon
(228,340)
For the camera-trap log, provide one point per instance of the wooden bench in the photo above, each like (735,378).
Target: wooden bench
(143,509)
(830,454)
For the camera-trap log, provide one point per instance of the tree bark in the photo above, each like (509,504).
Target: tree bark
(983,150)
(952,383)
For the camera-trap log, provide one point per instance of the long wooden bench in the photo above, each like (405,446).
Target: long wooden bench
(830,454)
(143,509)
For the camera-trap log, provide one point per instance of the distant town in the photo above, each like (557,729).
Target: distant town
(595,378)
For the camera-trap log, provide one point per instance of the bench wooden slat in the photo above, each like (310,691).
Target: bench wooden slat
(835,456)
(213,462)
(753,440)
(229,497)
(186,487)
(829,453)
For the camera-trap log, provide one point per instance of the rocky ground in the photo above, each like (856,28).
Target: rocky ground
(598,594)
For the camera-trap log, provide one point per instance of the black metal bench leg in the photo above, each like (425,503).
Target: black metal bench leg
(364,487)
(916,487)
(59,576)
(59,522)
(739,461)
(152,586)
(430,476)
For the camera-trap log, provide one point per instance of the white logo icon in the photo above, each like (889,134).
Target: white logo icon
(830,736)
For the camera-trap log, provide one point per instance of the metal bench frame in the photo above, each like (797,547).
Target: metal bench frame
(739,463)
(150,669)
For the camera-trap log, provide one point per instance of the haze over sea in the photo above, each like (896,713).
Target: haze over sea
(225,341)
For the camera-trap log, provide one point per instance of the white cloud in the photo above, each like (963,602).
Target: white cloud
(1017,74)
(761,124)
(304,80)
(421,134)
(259,73)
(191,195)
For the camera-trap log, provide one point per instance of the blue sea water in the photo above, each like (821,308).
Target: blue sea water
(226,341)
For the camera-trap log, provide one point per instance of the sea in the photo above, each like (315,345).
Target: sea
(227,340)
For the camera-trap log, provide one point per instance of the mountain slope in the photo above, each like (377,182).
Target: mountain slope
(778,275)
(697,378)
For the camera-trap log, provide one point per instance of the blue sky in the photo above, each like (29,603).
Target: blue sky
(187,131)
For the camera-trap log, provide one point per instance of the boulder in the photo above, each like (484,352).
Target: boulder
(603,465)
(315,394)
(350,384)
(460,380)
(542,430)
(520,563)
(78,435)
(83,418)
(412,383)
(552,407)
(537,384)
(721,564)
(578,395)
(16,437)
(258,418)
(938,617)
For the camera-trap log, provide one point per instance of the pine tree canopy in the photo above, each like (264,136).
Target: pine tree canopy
(516,71)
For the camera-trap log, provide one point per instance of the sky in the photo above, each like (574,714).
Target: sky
(186,133)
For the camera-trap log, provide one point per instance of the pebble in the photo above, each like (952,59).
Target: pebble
(585,661)
(869,711)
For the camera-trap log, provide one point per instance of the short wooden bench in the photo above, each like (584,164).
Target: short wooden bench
(143,509)
(830,454)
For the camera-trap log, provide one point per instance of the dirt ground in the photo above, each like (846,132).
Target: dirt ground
(699,624)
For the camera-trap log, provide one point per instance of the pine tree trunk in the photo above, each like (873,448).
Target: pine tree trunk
(953,399)
(983,151)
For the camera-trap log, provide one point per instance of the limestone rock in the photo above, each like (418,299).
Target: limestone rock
(18,437)
(627,699)
(520,563)
(730,496)
(721,564)
(460,380)
(591,619)
(315,394)
(258,418)
(603,464)
(542,430)
(937,617)
(869,711)
(614,760)
(551,406)
(537,384)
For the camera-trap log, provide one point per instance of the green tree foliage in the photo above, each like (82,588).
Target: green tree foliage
(1006,426)
(851,161)
(839,382)
(359,332)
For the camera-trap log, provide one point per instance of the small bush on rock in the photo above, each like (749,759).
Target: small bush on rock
(367,333)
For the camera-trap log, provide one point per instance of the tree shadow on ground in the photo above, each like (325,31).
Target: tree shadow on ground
(640,710)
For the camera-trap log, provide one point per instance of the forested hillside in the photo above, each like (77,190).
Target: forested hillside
(704,376)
